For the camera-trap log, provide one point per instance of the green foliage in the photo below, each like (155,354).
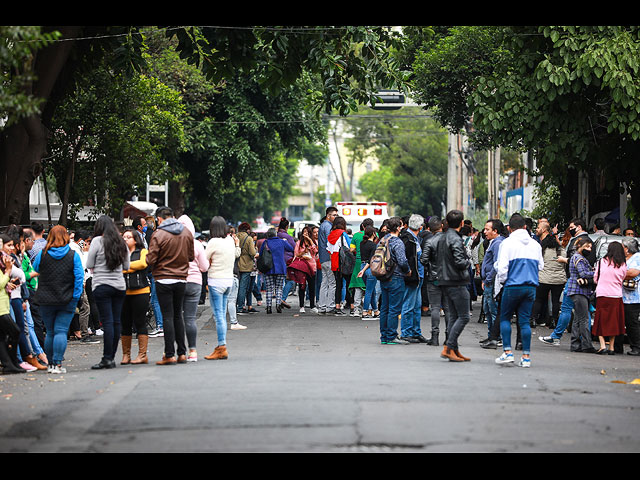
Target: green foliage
(243,142)
(569,94)
(412,151)
(18,46)
(114,131)
(351,62)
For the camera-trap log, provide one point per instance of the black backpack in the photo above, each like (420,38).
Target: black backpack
(265,260)
(347,259)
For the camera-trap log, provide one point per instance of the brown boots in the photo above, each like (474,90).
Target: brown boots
(143,342)
(126,349)
(453,355)
(220,353)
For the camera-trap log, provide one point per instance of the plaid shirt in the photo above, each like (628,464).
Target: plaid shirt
(579,267)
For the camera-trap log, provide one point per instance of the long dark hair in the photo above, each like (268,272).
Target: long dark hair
(137,238)
(550,241)
(339,223)
(115,248)
(615,254)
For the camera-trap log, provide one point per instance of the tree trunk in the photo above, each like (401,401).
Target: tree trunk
(64,212)
(23,145)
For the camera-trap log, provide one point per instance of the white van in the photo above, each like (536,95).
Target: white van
(355,212)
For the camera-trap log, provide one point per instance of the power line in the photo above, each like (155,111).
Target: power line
(287,30)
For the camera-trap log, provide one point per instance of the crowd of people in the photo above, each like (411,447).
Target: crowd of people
(147,280)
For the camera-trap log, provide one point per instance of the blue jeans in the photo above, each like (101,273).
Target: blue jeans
(18,317)
(288,285)
(490,306)
(57,319)
(565,314)
(244,281)
(33,339)
(412,311)
(219,298)
(518,300)
(232,302)
(391,307)
(155,305)
(370,301)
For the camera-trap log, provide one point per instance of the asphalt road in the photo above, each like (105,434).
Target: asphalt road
(309,383)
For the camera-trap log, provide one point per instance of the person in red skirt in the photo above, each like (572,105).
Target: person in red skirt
(609,318)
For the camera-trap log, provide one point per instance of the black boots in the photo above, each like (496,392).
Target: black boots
(9,359)
(104,363)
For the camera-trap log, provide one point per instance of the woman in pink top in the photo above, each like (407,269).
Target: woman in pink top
(302,268)
(609,318)
(193,290)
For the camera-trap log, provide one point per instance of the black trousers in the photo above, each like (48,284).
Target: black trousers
(134,313)
(170,298)
(311,286)
(542,298)
(632,324)
(339,284)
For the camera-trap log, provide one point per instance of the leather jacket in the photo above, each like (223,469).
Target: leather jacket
(412,257)
(429,257)
(453,262)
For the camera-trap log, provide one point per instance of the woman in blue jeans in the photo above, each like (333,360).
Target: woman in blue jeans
(221,252)
(59,290)
(367,247)
(108,257)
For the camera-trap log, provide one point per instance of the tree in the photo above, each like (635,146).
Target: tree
(109,135)
(351,62)
(412,151)
(568,94)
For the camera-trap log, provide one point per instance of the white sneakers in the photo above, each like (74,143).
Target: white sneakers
(507,358)
(237,326)
(56,369)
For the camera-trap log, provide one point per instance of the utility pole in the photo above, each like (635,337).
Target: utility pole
(493,182)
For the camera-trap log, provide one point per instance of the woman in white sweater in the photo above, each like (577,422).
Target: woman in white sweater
(222,251)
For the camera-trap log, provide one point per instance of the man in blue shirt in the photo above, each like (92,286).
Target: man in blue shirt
(494,231)
(326,300)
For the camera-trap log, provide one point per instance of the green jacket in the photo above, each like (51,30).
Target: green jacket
(247,252)
(357,282)
(27,268)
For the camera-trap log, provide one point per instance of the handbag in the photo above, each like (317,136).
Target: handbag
(138,279)
(630,285)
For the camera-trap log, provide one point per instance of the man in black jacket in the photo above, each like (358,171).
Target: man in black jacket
(430,261)
(453,268)
(412,302)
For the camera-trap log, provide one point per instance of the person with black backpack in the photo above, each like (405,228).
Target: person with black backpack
(273,248)
(341,262)
(396,268)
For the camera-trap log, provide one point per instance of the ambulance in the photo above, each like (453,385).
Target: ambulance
(355,212)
